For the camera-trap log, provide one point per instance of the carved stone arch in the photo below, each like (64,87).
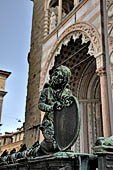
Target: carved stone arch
(89,33)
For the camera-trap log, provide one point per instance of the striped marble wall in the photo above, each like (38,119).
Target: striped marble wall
(87,11)
(90,12)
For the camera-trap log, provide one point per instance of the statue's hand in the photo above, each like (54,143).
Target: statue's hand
(58,106)
(67,100)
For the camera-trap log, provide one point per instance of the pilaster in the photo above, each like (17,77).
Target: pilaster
(105,104)
(75,2)
(60,12)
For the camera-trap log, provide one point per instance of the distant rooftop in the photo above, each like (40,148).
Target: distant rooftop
(5,73)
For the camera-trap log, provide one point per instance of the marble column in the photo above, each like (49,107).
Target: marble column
(105,104)
(60,12)
(84,127)
(75,2)
(82,145)
(90,126)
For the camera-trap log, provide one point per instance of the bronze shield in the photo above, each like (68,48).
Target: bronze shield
(67,125)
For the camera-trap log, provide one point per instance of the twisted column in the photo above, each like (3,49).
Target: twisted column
(46,23)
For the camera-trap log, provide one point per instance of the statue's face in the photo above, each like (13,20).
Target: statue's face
(57,78)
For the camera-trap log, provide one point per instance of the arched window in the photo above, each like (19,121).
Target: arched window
(58,9)
(67,5)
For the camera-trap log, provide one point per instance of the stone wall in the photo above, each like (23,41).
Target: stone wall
(32,115)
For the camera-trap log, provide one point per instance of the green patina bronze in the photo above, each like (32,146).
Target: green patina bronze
(56,95)
(105,141)
(104,145)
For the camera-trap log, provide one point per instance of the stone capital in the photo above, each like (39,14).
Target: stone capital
(101,71)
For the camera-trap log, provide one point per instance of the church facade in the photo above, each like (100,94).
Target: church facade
(79,35)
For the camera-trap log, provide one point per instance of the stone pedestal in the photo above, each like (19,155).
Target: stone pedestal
(105,161)
(58,161)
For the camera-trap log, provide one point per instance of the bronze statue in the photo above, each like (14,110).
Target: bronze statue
(60,106)
(3,157)
(103,145)
(55,95)
(104,141)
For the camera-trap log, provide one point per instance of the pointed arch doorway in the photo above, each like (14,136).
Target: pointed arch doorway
(85,84)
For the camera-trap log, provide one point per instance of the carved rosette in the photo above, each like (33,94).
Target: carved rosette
(89,33)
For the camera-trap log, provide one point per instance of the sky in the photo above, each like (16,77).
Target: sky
(15,35)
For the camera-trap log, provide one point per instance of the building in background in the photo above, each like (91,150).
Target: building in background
(79,35)
(12,140)
(3,76)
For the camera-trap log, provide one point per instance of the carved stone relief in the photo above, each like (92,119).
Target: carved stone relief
(53,22)
(75,35)
(110,11)
(99,62)
(109,2)
(53,18)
